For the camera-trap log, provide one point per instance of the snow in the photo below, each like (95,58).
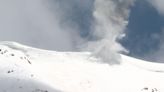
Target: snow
(26,69)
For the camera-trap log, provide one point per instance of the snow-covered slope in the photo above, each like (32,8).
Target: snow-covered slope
(26,69)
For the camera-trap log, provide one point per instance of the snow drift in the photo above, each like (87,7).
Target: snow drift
(101,69)
(26,69)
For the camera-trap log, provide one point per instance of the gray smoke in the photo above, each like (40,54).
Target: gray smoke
(39,23)
(111,19)
(58,25)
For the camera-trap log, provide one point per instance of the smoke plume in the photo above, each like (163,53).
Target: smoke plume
(66,25)
(38,23)
(111,19)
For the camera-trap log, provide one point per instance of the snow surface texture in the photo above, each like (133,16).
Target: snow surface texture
(26,69)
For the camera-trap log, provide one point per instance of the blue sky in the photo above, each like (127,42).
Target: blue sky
(63,25)
(144,23)
(143,33)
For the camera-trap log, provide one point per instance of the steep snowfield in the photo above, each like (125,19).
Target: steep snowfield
(26,69)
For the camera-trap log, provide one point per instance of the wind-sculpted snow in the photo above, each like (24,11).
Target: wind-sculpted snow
(50,71)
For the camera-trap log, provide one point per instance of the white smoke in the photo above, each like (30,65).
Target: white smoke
(111,19)
(48,24)
(37,23)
